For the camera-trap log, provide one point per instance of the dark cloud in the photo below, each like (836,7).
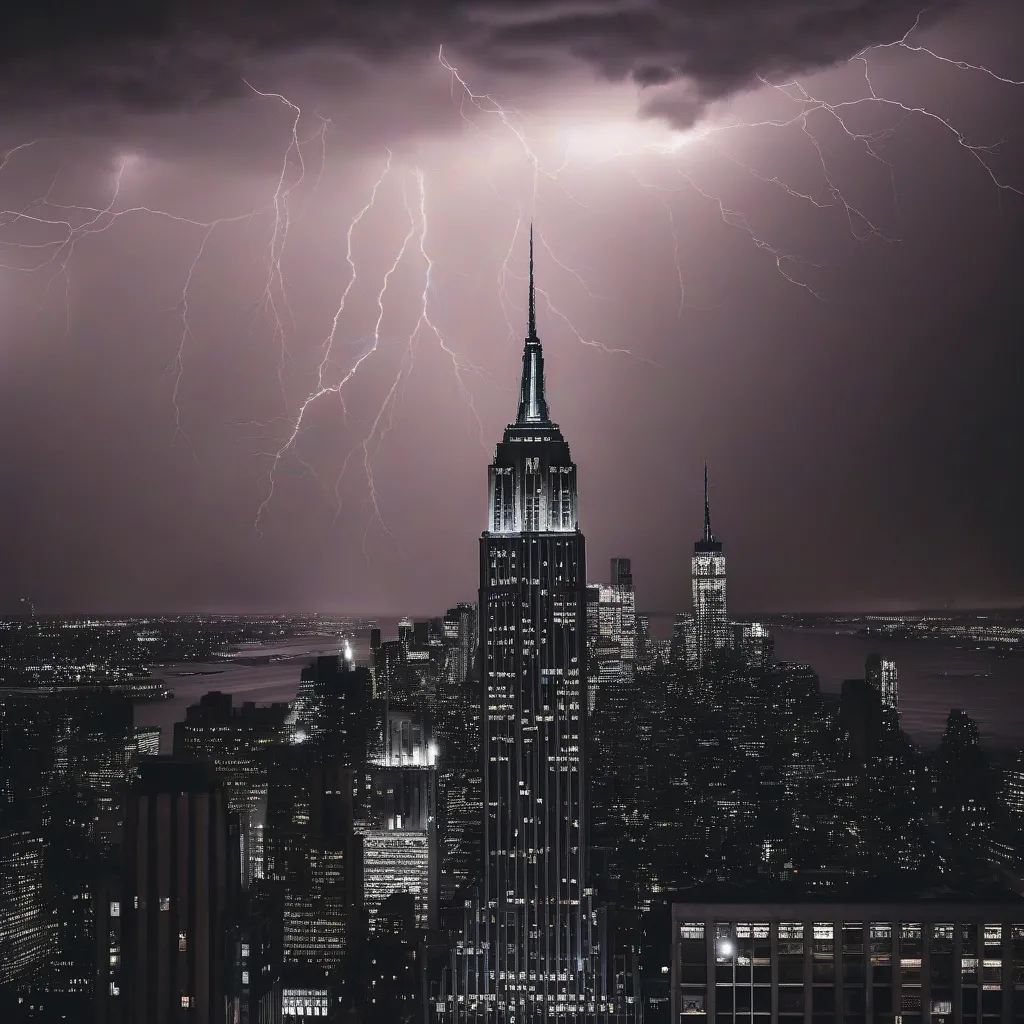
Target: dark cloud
(174,53)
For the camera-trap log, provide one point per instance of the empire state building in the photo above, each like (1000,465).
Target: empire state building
(528,954)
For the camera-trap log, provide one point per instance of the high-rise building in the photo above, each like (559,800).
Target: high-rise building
(527,951)
(231,739)
(171,916)
(881,674)
(754,640)
(399,834)
(644,652)
(145,742)
(1013,788)
(51,740)
(460,632)
(456,729)
(611,619)
(683,649)
(613,695)
(708,568)
(321,869)
(25,931)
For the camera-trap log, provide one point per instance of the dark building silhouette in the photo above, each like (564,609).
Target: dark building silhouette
(321,880)
(232,739)
(170,922)
(861,715)
(966,793)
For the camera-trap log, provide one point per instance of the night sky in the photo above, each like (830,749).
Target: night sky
(829,311)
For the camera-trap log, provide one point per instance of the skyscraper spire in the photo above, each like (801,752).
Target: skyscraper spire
(707,506)
(533,406)
(533,296)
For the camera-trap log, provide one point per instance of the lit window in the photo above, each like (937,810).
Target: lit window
(182,942)
(186,1002)
(165,902)
(115,908)
(245,977)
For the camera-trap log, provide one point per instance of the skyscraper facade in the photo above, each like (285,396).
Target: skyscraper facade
(171,913)
(881,674)
(708,570)
(399,833)
(25,932)
(527,955)
(612,636)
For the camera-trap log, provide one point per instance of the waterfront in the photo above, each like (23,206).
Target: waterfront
(266,682)
(990,689)
(933,678)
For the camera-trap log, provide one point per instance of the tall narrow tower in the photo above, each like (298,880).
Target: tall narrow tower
(708,568)
(532,932)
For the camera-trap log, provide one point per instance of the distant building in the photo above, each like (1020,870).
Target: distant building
(231,739)
(611,630)
(1014,788)
(709,604)
(460,630)
(881,674)
(50,740)
(407,670)
(644,652)
(861,716)
(399,834)
(145,742)
(683,652)
(754,641)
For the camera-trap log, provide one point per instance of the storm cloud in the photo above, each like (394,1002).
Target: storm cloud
(172,54)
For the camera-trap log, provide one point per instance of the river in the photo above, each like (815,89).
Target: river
(266,683)
(932,679)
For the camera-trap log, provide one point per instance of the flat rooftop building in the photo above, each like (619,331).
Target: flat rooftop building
(935,959)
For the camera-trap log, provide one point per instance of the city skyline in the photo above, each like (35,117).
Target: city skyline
(831,334)
(703,706)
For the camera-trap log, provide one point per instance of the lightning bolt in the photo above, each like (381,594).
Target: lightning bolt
(384,420)
(74,222)
(486,104)
(862,226)
(282,221)
(44,235)
(322,389)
